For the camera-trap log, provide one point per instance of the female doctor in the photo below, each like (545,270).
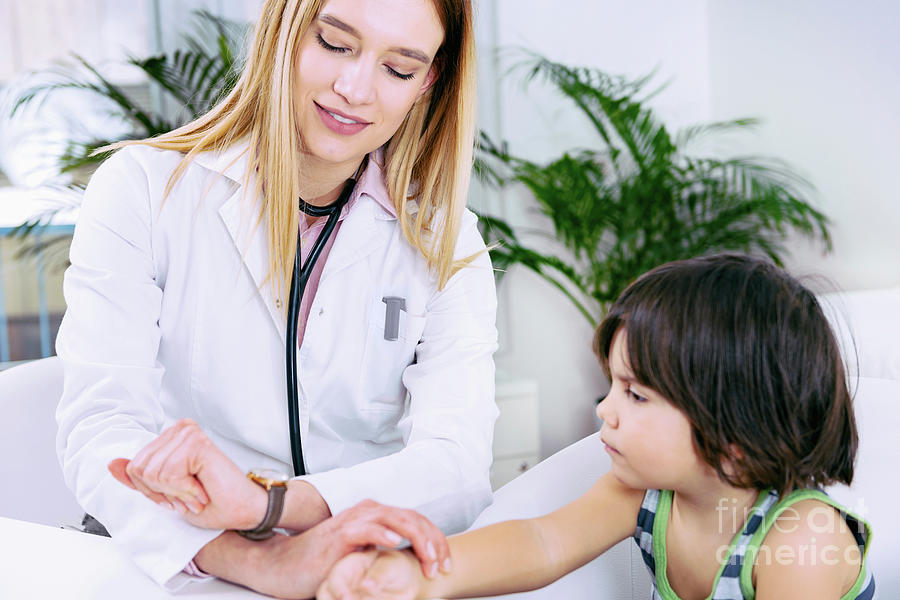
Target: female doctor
(178,291)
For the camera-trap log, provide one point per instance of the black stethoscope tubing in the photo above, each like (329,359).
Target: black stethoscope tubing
(299,278)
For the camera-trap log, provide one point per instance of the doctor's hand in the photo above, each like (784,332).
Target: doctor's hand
(183,470)
(295,566)
(390,575)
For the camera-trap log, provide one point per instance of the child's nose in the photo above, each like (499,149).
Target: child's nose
(605,411)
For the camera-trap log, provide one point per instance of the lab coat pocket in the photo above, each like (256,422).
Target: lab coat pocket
(391,347)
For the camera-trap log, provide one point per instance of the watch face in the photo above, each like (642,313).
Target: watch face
(273,476)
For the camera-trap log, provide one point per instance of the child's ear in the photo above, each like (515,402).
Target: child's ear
(735,456)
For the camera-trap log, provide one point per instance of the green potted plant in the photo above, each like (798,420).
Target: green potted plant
(640,197)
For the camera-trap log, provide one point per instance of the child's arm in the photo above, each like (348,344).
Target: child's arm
(808,553)
(502,558)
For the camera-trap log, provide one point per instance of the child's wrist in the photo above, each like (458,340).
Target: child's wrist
(425,587)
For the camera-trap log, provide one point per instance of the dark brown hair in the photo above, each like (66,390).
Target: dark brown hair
(744,350)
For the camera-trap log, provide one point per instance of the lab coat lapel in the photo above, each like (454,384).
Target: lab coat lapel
(250,241)
(361,234)
(240,217)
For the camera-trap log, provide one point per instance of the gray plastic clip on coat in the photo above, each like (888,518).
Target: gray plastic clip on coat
(393,306)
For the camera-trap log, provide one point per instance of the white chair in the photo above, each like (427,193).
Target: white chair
(33,487)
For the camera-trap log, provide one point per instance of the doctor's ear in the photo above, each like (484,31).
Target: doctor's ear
(430,78)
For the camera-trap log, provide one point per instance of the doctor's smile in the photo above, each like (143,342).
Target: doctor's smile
(340,122)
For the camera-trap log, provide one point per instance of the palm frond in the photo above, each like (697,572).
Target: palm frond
(691,134)
(113,92)
(95,83)
(615,106)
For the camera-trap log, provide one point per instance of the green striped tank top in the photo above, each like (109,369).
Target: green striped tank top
(733,581)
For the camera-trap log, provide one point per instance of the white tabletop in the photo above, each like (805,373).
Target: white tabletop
(42,562)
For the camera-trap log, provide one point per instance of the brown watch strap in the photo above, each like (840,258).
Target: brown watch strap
(264,530)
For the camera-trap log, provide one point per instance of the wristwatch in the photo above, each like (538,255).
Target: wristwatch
(275,484)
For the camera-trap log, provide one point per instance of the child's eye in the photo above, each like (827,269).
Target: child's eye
(634,396)
(329,47)
(395,73)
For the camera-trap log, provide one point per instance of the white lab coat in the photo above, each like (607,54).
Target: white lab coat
(170,316)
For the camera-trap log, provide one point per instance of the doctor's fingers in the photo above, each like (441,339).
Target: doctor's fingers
(135,470)
(153,496)
(171,472)
(166,466)
(427,541)
(139,462)
(163,500)
(175,467)
(119,469)
(357,534)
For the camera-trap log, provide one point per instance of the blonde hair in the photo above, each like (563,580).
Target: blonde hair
(432,148)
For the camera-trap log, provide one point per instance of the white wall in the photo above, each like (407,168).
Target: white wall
(35,32)
(177,16)
(823,77)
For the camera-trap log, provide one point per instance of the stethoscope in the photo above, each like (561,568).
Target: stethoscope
(298,284)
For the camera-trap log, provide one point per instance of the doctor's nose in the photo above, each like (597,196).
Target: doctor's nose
(355,83)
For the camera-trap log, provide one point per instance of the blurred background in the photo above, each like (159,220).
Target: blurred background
(821,77)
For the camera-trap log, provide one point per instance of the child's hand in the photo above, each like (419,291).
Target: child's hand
(392,575)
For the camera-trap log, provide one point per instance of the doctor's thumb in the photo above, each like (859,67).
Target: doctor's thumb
(117,468)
